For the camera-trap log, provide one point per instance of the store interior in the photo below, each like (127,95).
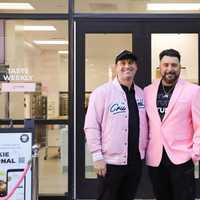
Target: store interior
(41,49)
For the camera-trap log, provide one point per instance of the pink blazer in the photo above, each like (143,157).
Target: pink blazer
(179,131)
(106,123)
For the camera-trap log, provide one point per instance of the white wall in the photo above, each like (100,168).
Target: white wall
(14,57)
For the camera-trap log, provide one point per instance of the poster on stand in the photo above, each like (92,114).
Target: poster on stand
(15,153)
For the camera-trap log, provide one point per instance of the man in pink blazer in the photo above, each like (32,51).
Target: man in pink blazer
(116,131)
(173,110)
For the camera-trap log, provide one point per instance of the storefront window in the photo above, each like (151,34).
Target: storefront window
(33,82)
(53,158)
(34,6)
(36,52)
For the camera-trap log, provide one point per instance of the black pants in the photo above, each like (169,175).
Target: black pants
(120,182)
(173,182)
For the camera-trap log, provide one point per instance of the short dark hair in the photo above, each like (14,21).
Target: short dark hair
(171,53)
(124,55)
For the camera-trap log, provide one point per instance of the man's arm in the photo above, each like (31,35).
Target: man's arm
(92,127)
(196,125)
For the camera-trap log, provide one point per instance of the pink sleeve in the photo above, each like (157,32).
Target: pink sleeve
(93,123)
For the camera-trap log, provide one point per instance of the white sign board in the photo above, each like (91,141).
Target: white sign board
(15,152)
(18,87)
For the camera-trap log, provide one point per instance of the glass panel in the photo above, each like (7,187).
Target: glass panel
(45,67)
(33,6)
(137,6)
(99,64)
(186,44)
(36,54)
(53,158)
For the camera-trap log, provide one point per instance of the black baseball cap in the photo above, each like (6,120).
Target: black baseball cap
(124,55)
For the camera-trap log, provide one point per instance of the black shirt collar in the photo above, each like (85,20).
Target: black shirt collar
(167,88)
(126,89)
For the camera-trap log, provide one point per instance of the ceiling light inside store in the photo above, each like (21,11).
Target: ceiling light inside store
(28,44)
(50,42)
(16,6)
(63,52)
(38,28)
(173,6)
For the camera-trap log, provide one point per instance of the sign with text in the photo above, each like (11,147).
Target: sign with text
(18,87)
(15,153)
(18,74)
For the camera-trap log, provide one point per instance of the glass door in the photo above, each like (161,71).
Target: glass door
(96,49)
(184,37)
(97,44)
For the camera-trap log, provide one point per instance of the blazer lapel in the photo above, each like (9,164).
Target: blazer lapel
(177,91)
(154,99)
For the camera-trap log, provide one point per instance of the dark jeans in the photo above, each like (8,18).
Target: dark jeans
(173,182)
(120,182)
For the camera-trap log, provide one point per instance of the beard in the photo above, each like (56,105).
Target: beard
(170,77)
